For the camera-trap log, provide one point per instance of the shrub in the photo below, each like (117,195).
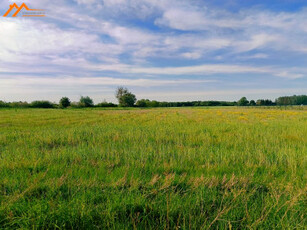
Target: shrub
(106,104)
(75,105)
(42,104)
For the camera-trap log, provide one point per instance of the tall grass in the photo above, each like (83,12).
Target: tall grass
(187,168)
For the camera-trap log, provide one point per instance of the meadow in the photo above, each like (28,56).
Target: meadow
(161,168)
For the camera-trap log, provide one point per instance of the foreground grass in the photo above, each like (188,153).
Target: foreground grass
(188,168)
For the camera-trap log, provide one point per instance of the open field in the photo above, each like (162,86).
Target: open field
(166,168)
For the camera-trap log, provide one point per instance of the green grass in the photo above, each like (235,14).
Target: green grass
(171,168)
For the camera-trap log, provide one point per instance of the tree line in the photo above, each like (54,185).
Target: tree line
(127,99)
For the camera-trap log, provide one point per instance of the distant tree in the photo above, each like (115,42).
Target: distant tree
(259,102)
(263,102)
(128,100)
(149,103)
(292,100)
(19,104)
(124,97)
(64,102)
(164,104)
(213,103)
(252,103)
(154,104)
(269,102)
(121,91)
(142,103)
(86,101)
(243,102)
(3,104)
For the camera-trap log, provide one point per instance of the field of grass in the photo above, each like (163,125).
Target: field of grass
(166,168)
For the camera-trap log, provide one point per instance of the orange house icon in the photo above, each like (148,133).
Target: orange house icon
(23,6)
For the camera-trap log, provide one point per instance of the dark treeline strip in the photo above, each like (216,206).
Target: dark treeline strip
(148,103)
(34,104)
(292,100)
(143,103)
(50,105)
(140,103)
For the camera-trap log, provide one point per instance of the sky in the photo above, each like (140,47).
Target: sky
(166,50)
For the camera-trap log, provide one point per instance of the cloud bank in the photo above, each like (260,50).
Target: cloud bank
(185,45)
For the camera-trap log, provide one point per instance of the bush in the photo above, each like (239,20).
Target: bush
(42,104)
(75,105)
(106,104)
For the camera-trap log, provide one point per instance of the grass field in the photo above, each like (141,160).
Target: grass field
(166,168)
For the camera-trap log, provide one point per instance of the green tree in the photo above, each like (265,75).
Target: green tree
(252,103)
(124,97)
(243,102)
(142,103)
(64,102)
(86,101)
(263,102)
(3,104)
(128,100)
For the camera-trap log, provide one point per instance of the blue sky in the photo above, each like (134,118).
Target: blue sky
(167,50)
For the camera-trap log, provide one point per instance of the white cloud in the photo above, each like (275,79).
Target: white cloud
(53,88)
(255,56)
(21,81)
(290,75)
(216,29)
(202,69)
(88,2)
(209,69)
(28,37)
(247,30)
(192,55)
(256,41)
